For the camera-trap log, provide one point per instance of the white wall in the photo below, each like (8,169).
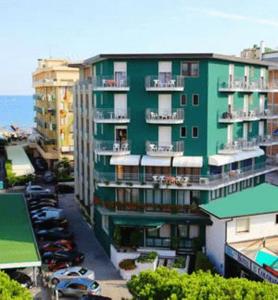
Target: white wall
(260,226)
(215,243)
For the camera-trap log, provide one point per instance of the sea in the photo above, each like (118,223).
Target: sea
(17,110)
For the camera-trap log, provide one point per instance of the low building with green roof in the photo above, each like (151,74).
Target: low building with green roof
(243,238)
(18,247)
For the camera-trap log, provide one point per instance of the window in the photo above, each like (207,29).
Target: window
(183,100)
(190,69)
(183,231)
(193,231)
(276,219)
(195,99)
(195,133)
(242,225)
(105,223)
(183,132)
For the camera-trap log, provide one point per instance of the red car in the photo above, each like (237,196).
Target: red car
(55,266)
(65,245)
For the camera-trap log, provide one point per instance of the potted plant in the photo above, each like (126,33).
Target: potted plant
(127,268)
(147,261)
(106,182)
(117,237)
(156,185)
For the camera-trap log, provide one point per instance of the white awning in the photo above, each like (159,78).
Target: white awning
(188,161)
(156,161)
(128,160)
(221,159)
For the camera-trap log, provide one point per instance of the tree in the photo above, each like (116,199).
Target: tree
(12,290)
(165,283)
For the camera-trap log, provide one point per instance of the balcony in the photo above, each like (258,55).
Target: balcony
(164,149)
(270,113)
(231,117)
(111,83)
(111,116)
(268,140)
(240,84)
(174,116)
(238,146)
(184,182)
(112,147)
(164,84)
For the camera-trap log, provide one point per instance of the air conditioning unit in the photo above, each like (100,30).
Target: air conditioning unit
(203,180)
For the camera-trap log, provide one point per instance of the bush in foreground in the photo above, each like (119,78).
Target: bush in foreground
(12,290)
(165,284)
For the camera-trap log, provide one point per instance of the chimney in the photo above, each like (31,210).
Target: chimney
(262,49)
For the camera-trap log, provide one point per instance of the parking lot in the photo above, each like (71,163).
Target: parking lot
(95,258)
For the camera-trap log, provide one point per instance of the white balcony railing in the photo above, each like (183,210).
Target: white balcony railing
(270,113)
(240,84)
(268,140)
(112,147)
(164,83)
(111,115)
(110,83)
(238,146)
(164,149)
(155,116)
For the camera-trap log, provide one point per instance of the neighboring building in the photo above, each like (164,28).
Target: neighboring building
(272,57)
(157,135)
(255,52)
(53,81)
(243,238)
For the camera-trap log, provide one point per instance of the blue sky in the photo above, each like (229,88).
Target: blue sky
(31,29)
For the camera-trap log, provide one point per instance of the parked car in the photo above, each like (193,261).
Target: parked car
(75,257)
(21,277)
(45,215)
(44,203)
(57,245)
(51,201)
(44,209)
(94,297)
(54,234)
(71,272)
(78,287)
(41,195)
(35,189)
(49,177)
(54,266)
(50,223)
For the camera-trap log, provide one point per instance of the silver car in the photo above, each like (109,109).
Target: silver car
(78,287)
(72,272)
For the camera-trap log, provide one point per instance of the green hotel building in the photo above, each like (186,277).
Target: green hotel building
(157,135)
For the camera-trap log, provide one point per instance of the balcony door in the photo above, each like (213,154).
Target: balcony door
(164,135)
(164,104)
(120,105)
(120,72)
(246,104)
(262,103)
(121,134)
(261,128)
(164,71)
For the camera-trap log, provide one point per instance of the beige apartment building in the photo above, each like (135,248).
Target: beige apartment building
(53,81)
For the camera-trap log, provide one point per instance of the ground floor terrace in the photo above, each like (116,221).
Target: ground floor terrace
(18,247)
(128,231)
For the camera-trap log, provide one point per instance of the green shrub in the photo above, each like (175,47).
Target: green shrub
(203,263)
(127,264)
(12,179)
(168,284)
(179,262)
(12,290)
(147,258)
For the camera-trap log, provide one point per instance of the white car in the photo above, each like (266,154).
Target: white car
(45,215)
(71,272)
(35,189)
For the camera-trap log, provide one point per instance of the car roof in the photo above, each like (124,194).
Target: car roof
(86,281)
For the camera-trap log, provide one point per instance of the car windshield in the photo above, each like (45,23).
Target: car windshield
(83,271)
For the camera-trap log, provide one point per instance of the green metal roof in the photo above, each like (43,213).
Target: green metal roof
(262,199)
(18,246)
(136,222)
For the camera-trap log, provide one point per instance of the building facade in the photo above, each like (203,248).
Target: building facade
(53,82)
(157,135)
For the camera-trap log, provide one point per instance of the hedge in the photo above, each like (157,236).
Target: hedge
(165,283)
(11,289)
